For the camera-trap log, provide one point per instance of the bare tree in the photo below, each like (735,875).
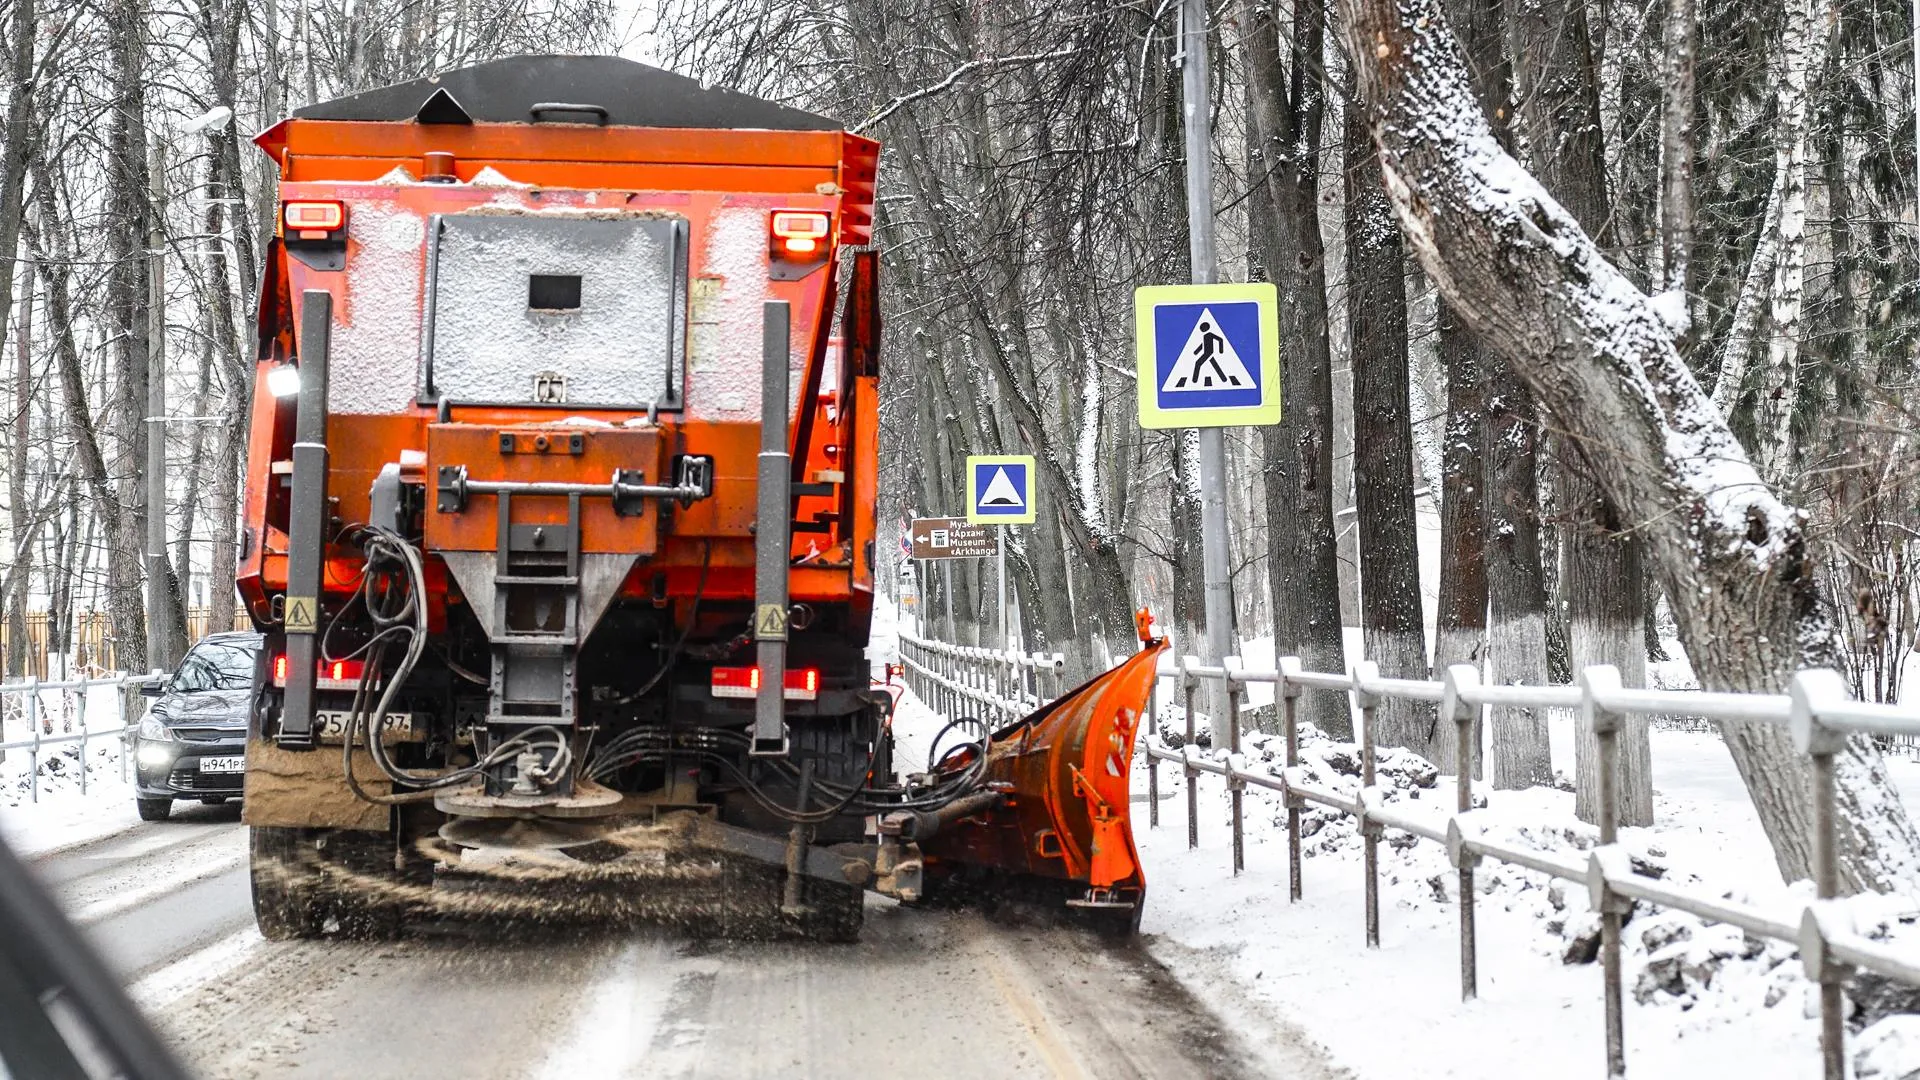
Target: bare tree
(20,143)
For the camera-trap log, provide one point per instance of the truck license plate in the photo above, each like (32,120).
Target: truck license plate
(233,764)
(330,725)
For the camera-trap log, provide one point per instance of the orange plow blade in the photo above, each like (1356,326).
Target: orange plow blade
(1062,827)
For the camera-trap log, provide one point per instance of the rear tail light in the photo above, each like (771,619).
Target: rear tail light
(328,674)
(800,232)
(341,674)
(739,682)
(313,220)
(803,685)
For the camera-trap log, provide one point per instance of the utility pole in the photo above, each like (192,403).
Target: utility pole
(159,648)
(1194,81)
(1000,563)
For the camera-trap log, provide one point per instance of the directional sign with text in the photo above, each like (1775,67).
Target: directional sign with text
(1000,489)
(1207,355)
(952,538)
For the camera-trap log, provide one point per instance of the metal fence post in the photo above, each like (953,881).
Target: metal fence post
(1193,776)
(1605,725)
(1003,677)
(1366,700)
(126,736)
(1465,716)
(82,710)
(1809,691)
(1236,786)
(1288,691)
(1153,763)
(33,752)
(944,661)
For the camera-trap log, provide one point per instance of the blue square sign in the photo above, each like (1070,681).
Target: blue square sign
(1208,355)
(1199,355)
(1000,489)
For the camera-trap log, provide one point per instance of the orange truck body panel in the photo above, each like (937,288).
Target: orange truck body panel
(698,174)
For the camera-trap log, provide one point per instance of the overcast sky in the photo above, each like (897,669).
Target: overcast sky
(632,30)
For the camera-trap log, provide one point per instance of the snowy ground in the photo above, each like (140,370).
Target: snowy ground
(63,815)
(1701,1000)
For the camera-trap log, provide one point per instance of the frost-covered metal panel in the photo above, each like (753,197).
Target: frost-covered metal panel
(376,332)
(530,308)
(724,347)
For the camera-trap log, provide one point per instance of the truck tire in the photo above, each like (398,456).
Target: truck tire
(310,883)
(289,886)
(367,895)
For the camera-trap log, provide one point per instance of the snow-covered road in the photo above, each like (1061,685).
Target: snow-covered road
(925,993)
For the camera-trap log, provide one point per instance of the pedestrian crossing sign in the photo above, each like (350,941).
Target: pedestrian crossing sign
(1207,355)
(1000,489)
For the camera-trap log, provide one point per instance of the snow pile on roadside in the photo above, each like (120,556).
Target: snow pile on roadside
(1700,996)
(64,815)
(58,776)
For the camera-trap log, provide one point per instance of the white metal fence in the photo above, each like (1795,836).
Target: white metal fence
(57,714)
(1818,711)
(988,684)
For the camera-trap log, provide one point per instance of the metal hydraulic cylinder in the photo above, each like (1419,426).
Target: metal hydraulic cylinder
(307,524)
(773,534)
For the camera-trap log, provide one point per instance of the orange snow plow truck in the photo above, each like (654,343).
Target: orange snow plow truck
(560,508)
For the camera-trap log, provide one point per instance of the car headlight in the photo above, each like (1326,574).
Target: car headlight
(154,755)
(152,730)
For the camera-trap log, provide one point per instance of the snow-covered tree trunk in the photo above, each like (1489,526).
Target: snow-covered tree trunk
(1390,616)
(1517,752)
(1600,567)
(1605,624)
(1678,38)
(1460,623)
(1602,362)
(1803,50)
(1289,103)
(1736,353)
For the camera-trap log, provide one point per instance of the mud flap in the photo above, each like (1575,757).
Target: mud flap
(289,789)
(1063,827)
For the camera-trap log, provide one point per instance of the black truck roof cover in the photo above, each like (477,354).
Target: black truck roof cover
(505,91)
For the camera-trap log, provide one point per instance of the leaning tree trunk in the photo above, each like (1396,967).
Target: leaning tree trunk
(1390,616)
(1600,359)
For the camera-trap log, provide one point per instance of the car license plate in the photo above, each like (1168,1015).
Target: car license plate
(236,763)
(331,726)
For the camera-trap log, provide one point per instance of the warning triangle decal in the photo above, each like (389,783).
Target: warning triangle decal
(1001,492)
(1208,361)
